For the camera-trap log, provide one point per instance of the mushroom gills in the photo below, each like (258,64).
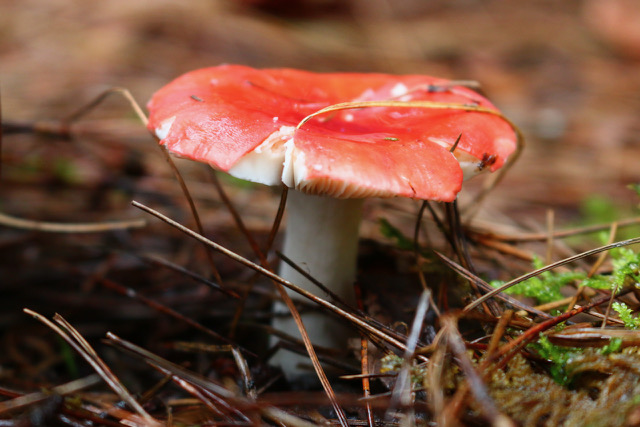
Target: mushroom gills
(264,164)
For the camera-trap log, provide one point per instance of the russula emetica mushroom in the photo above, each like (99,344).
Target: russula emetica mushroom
(245,121)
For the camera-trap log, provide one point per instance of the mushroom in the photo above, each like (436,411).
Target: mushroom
(251,124)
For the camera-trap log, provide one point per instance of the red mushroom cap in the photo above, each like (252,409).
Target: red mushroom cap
(243,121)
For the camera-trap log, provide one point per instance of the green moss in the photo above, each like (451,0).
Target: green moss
(65,170)
(547,286)
(544,288)
(391,232)
(236,182)
(625,314)
(614,346)
(563,359)
(393,363)
(597,209)
(602,209)
(626,271)
(558,356)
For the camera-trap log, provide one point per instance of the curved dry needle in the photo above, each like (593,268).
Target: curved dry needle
(559,234)
(280,284)
(403,104)
(278,218)
(40,396)
(58,227)
(85,109)
(467,275)
(438,106)
(78,343)
(550,267)
(269,274)
(55,227)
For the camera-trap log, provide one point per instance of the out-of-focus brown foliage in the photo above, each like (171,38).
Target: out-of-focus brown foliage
(550,66)
(569,79)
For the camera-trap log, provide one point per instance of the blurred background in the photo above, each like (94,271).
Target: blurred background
(566,72)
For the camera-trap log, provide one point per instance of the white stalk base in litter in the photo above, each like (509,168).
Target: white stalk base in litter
(321,238)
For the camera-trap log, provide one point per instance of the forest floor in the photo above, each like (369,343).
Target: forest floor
(565,74)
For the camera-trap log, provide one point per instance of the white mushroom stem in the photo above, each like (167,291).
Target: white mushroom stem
(321,238)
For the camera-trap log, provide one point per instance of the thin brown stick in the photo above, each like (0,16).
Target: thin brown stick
(326,385)
(550,267)
(243,367)
(498,332)
(460,247)
(278,282)
(505,248)
(474,380)
(605,319)
(559,234)
(357,321)
(603,256)
(180,373)
(433,384)
(237,315)
(509,349)
(277,221)
(234,213)
(488,288)
(132,293)
(153,259)
(335,298)
(79,227)
(85,109)
(416,231)
(550,224)
(80,112)
(192,207)
(364,361)
(559,303)
(39,396)
(272,236)
(594,268)
(404,104)
(75,340)
(439,223)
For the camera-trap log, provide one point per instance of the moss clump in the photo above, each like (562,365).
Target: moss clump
(544,288)
(602,392)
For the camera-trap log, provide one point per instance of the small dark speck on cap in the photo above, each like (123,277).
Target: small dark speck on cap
(197,98)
